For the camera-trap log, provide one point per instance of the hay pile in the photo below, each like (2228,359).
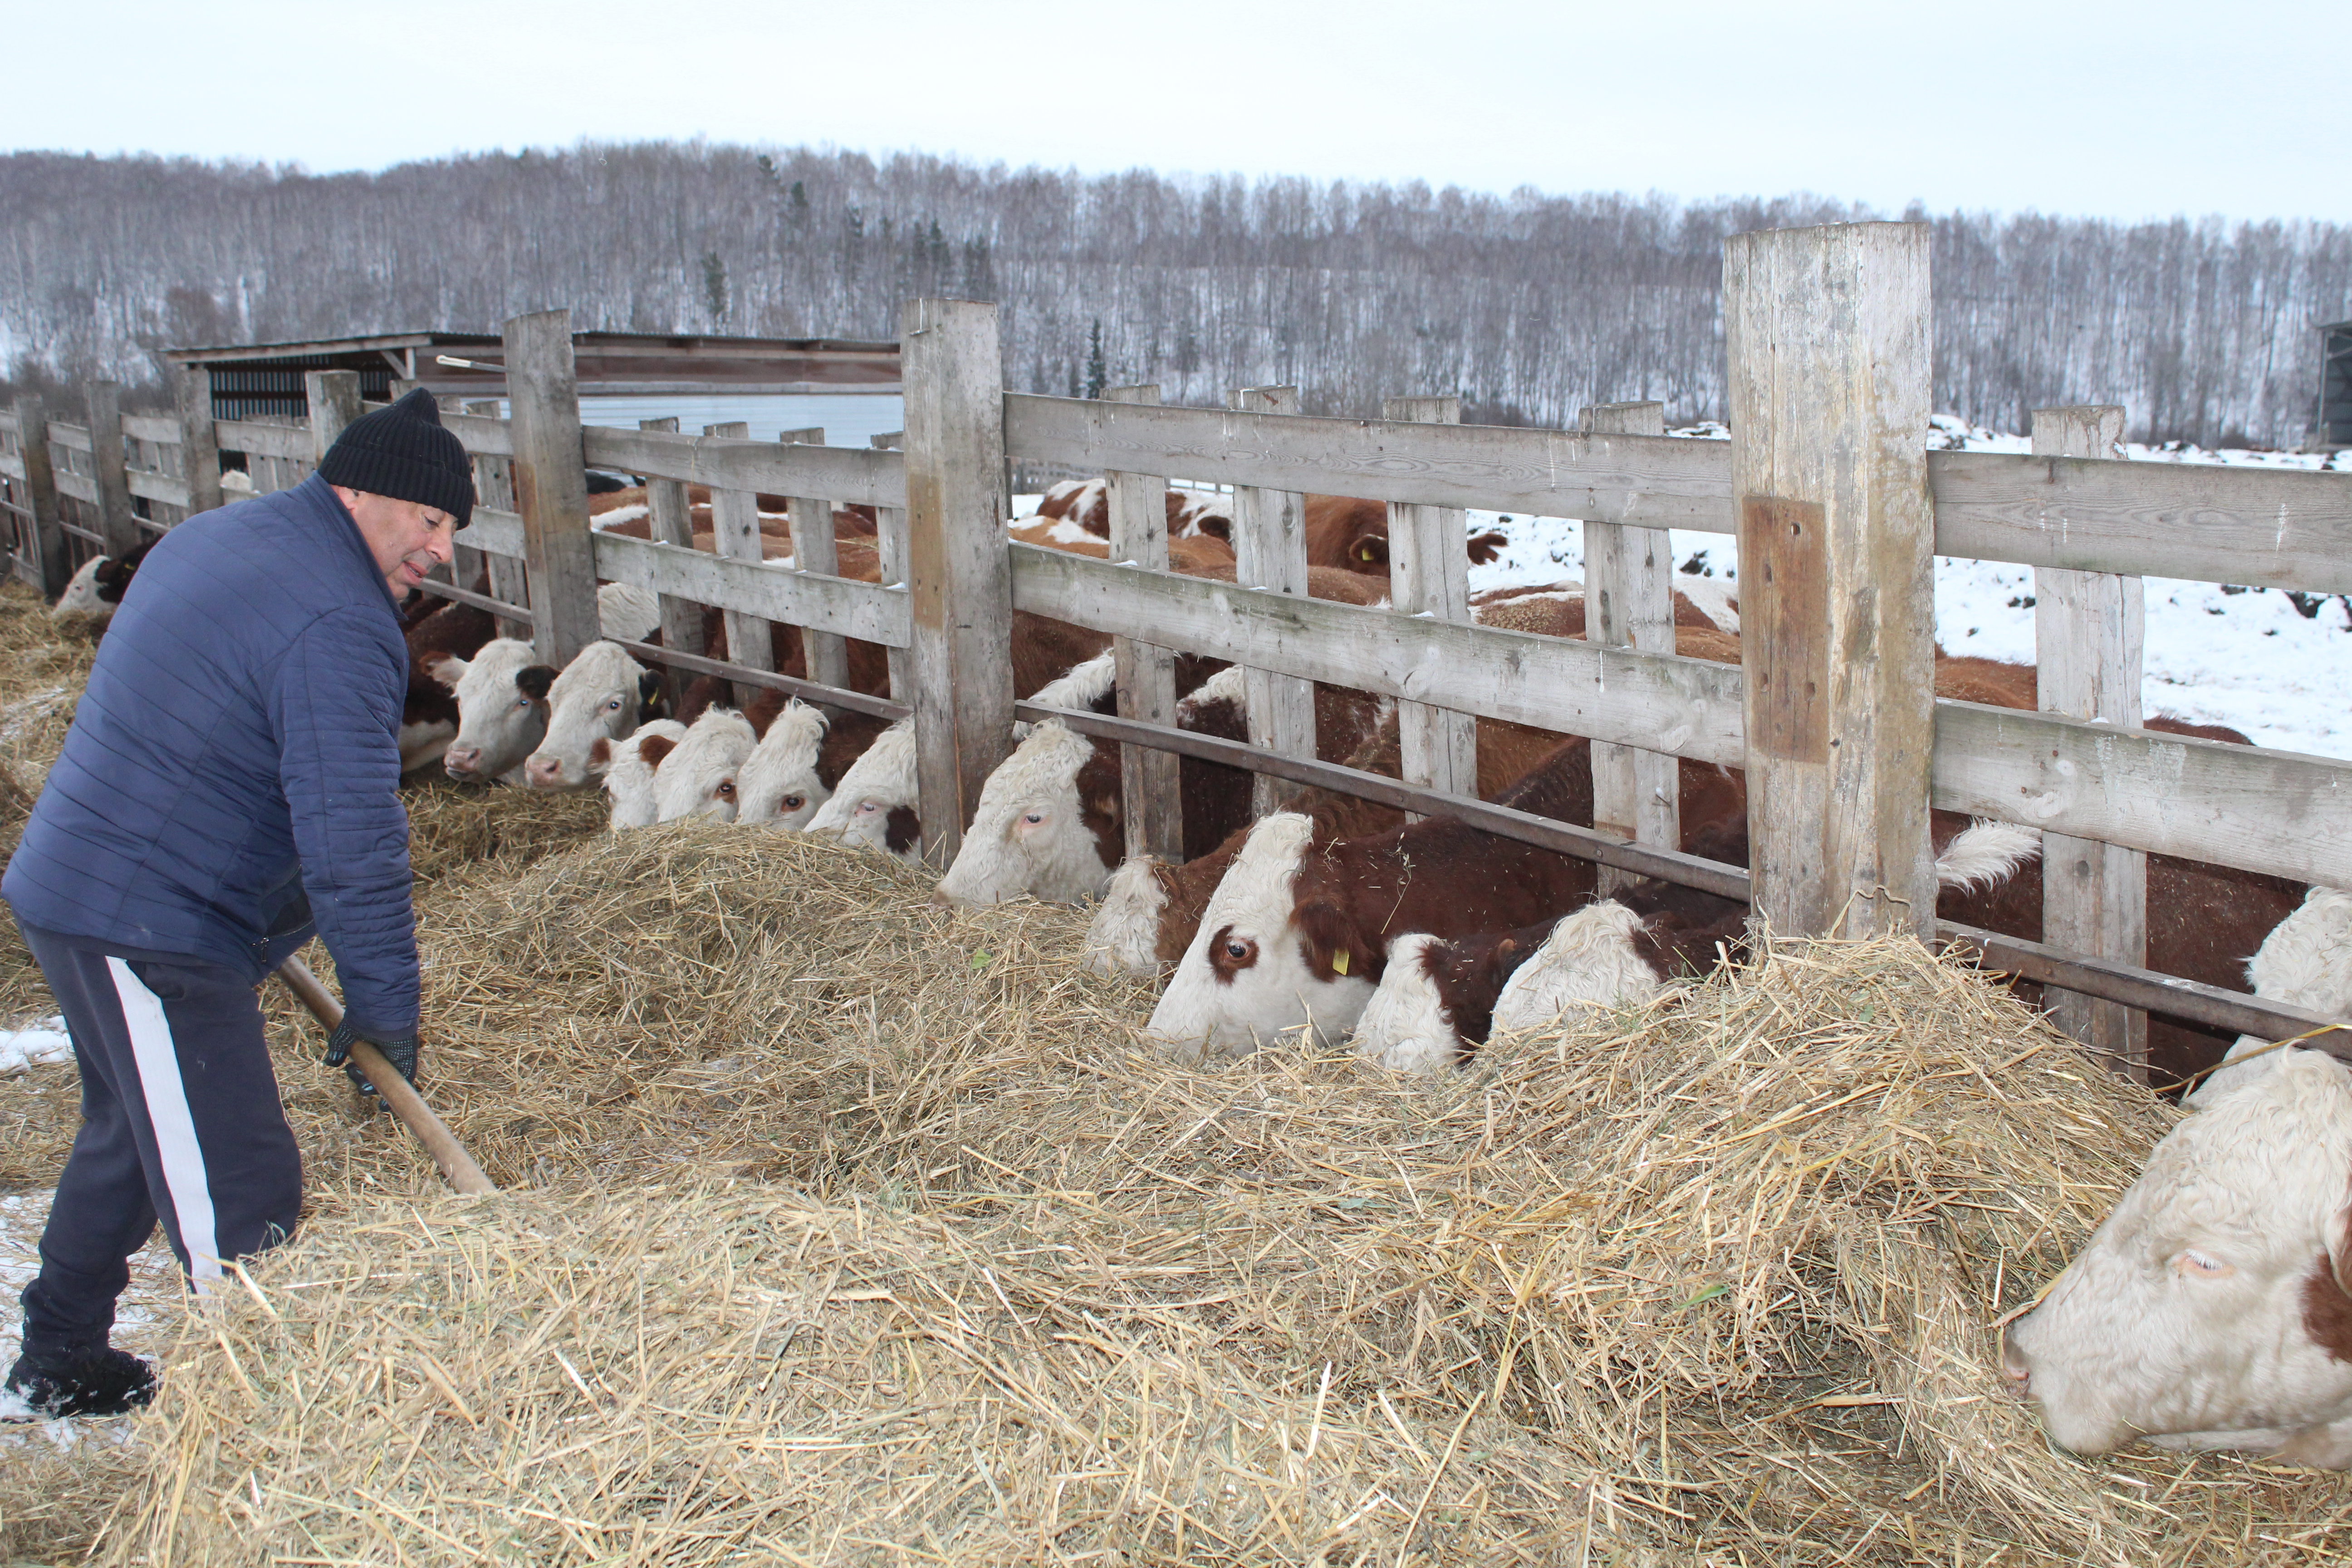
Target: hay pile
(859,1228)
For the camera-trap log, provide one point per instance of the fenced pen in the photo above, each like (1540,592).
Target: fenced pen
(1838,508)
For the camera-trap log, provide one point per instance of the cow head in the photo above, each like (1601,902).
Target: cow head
(777,786)
(501,707)
(632,778)
(1046,826)
(876,802)
(597,698)
(1265,959)
(2307,961)
(1123,938)
(698,778)
(1406,1026)
(1590,960)
(80,596)
(2208,1311)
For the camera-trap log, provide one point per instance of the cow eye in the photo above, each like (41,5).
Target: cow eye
(1237,950)
(522,701)
(613,706)
(1033,817)
(794,802)
(2199,1265)
(868,808)
(727,788)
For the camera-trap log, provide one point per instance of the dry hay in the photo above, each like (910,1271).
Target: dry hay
(1706,1282)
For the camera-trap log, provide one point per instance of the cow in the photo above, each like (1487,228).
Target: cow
(1556,609)
(429,716)
(599,698)
(2306,962)
(1353,535)
(698,777)
(1192,514)
(631,779)
(2210,1311)
(1202,556)
(1298,932)
(501,694)
(95,589)
(874,803)
(1438,999)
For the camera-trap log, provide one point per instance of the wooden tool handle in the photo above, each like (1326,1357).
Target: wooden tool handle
(457,1165)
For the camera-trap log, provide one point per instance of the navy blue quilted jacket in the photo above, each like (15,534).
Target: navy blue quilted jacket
(231,780)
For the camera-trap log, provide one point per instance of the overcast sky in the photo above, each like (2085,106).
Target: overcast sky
(2130,110)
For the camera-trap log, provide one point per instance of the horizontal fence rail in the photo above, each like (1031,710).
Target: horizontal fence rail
(840,474)
(792,686)
(2202,522)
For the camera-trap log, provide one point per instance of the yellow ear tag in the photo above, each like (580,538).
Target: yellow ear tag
(1339,962)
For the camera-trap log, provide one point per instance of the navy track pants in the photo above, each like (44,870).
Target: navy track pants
(181,1121)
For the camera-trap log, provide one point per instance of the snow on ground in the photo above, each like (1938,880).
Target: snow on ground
(2274,666)
(42,1042)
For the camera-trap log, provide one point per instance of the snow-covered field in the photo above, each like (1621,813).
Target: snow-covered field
(2277,668)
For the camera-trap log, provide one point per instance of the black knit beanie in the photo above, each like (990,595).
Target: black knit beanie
(402,452)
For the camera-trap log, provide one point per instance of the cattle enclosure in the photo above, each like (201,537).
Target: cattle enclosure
(1839,509)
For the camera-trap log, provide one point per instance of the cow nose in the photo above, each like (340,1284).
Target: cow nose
(945,899)
(462,758)
(2013,1362)
(543,770)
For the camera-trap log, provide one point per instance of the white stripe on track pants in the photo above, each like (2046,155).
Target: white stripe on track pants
(181,1121)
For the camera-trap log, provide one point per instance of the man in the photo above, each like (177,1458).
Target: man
(228,787)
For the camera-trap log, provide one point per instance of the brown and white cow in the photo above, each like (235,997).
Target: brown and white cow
(698,778)
(2306,961)
(1297,933)
(633,778)
(1192,514)
(876,802)
(599,698)
(2210,1309)
(501,695)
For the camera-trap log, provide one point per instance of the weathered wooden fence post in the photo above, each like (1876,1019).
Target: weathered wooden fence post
(191,390)
(2088,632)
(670,521)
(959,569)
(550,483)
(815,549)
(1829,337)
(1629,602)
(890,554)
(52,566)
(55,566)
(1270,551)
(1150,778)
(116,521)
(735,525)
(334,399)
(494,487)
(1428,574)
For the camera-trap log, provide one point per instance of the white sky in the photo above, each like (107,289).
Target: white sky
(2150,107)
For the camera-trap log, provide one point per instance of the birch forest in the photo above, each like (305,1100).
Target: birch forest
(1528,305)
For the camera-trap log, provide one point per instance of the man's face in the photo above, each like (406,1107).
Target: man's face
(406,538)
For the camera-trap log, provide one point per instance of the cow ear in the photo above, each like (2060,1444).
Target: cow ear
(533,681)
(1330,945)
(446,669)
(1371,549)
(649,691)
(653,748)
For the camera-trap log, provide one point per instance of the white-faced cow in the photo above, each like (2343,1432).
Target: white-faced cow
(698,778)
(631,780)
(502,709)
(2208,1311)
(875,801)
(599,698)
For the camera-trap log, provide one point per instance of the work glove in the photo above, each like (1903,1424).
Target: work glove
(400,1051)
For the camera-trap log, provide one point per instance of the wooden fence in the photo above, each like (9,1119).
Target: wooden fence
(1838,508)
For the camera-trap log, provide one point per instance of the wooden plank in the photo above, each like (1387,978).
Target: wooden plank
(334,399)
(1428,574)
(200,470)
(74,437)
(82,488)
(550,486)
(735,522)
(158,486)
(764,592)
(843,475)
(957,561)
(890,553)
(671,521)
(1827,333)
(483,435)
(1655,482)
(814,550)
(2263,526)
(2278,812)
(2088,631)
(495,532)
(116,521)
(257,439)
(494,488)
(1629,602)
(154,428)
(1270,552)
(1688,707)
(53,568)
(1145,675)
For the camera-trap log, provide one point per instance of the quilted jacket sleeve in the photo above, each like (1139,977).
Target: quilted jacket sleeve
(336,711)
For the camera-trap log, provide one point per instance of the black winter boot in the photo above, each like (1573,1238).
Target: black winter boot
(81,1382)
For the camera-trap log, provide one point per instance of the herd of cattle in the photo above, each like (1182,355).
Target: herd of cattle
(2210,1311)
